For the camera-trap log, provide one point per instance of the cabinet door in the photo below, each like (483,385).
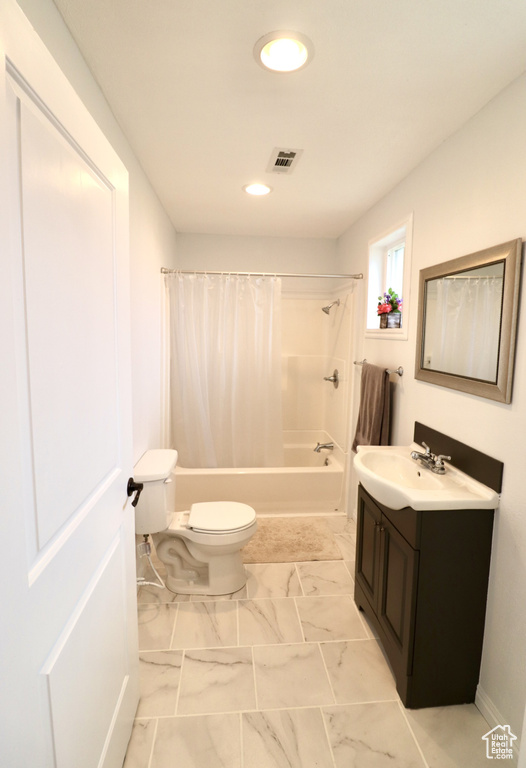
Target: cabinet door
(397,591)
(367,549)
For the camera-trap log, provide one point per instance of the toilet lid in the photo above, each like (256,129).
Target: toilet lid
(220,516)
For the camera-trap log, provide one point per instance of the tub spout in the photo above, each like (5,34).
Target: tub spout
(326,446)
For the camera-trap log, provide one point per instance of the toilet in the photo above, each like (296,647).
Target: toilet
(201,548)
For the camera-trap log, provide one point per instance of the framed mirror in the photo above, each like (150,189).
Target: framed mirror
(467,320)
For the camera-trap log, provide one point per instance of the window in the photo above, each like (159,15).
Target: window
(394,269)
(389,268)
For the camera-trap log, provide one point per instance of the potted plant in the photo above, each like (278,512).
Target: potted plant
(390,310)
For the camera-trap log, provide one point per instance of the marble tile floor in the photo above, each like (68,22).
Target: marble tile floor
(285,673)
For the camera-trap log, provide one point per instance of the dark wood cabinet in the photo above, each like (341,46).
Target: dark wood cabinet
(422,578)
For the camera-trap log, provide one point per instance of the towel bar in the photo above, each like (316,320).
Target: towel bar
(399,370)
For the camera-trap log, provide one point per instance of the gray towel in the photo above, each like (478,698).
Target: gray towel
(372,427)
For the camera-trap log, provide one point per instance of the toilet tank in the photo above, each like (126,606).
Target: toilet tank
(155,470)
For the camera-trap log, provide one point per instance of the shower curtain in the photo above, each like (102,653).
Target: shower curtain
(225,370)
(464,338)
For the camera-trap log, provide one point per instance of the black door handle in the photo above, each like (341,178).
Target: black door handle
(136,488)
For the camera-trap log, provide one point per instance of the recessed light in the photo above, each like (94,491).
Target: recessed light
(257,189)
(283,51)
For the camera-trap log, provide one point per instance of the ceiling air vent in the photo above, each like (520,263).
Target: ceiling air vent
(283,160)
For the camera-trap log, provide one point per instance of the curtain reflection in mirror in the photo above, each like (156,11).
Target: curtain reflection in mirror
(463,326)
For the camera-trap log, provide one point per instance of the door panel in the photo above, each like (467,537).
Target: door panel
(367,562)
(68,649)
(68,274)
(394,597)
(397,592)
(95,661)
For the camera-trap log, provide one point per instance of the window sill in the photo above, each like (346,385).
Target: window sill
(393,334)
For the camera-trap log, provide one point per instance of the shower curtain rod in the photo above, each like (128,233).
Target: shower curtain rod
(166,271)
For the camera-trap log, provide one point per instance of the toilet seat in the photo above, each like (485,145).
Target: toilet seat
(218,517)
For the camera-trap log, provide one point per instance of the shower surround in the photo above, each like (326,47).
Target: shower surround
(313,344)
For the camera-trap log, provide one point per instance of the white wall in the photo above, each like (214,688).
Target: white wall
(262,254)
(152,236)
(468,195)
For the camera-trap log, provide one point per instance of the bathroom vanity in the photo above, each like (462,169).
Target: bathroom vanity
(422,579)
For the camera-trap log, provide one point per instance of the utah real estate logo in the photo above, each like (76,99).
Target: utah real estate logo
(499,743)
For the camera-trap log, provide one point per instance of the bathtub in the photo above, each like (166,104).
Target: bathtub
(305,485)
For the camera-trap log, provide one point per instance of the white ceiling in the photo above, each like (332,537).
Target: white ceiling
(390,80)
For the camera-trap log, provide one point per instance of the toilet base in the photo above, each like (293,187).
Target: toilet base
(211,573)
(199,582)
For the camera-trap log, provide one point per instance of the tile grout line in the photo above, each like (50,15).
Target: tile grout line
(363,703)
(404,715)
(260,645)
(153,742)
(241,744)
(319,644)
(368,631)
(299,581)
(327,736)
(247,583)
(172,636)
(294,598)
(256,710)
(179,685)
(256,697)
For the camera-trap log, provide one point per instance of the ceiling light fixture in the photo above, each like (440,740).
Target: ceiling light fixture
(283,51)
(257,189)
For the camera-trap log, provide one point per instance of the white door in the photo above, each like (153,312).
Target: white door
(68,643)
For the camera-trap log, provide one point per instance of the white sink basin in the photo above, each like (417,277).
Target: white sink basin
(393,478)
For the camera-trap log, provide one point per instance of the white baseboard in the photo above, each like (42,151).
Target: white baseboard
(491,714)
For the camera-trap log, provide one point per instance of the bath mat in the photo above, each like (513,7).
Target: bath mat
(291,540)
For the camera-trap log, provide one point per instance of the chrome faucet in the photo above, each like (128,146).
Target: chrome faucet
(327,446)
(430,460)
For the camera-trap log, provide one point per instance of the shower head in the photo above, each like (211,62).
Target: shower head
(327,309)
